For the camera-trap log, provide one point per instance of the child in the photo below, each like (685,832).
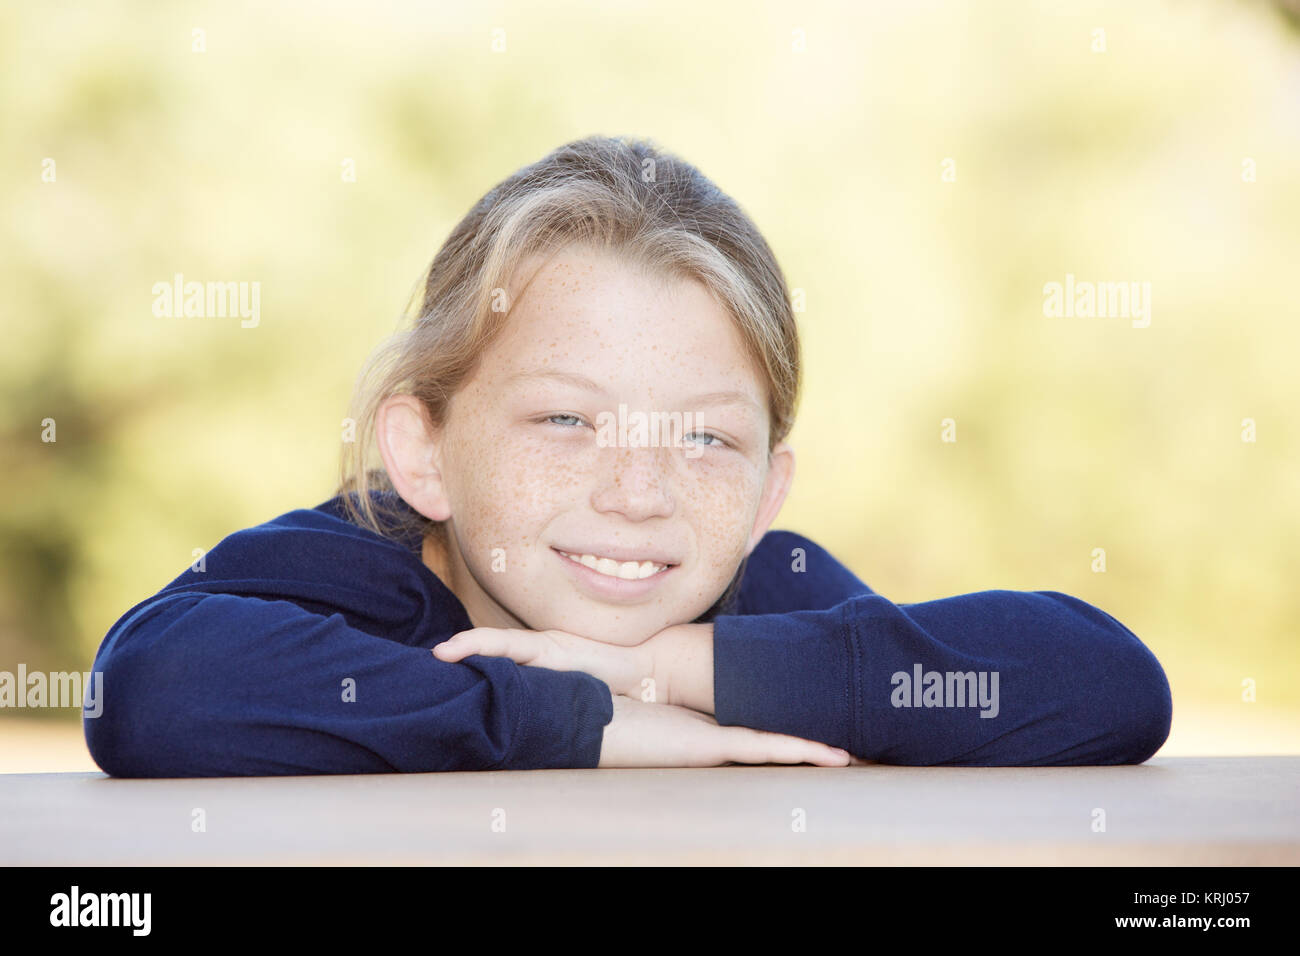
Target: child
(536,579)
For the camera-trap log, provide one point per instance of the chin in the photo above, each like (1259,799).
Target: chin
(622,633)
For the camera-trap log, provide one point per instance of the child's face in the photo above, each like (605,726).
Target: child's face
(519,488)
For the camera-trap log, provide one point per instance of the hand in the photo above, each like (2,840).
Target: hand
(625,669)
(646,733)
(664,735)
(674,666)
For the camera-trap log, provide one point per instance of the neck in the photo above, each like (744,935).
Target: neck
(435,559)
(479,607)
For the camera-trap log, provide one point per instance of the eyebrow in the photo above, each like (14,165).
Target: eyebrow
(577,380)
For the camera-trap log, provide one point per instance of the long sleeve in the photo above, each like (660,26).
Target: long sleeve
(303,647)
(788,572)
(222,685)
(993,678)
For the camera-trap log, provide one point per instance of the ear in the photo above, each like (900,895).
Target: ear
(411,449)
(780,476)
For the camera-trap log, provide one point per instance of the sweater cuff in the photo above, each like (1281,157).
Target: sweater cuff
(562,720)
(788,673)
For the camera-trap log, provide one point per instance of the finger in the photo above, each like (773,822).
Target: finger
(490,642)
(760,746)
(456,647)
(446,651)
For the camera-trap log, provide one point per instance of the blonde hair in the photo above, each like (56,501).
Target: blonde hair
(620,194)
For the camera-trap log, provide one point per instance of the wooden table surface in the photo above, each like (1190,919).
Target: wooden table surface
(1169,811)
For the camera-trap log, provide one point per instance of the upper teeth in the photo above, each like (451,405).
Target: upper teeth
(627,570)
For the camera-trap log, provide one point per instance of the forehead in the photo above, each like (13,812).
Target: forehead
(584,283)
(601,313)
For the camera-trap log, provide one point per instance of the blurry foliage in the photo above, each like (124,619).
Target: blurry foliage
(924,297)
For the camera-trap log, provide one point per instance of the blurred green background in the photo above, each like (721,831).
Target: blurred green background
(831,125)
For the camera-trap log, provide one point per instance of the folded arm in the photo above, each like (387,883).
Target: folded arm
(993,678)
(214,684)
(816,653)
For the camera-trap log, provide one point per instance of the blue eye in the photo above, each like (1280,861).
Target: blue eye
(716,443)
(550,417)
(692,437)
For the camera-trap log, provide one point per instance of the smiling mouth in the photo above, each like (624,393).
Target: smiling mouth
(622,570)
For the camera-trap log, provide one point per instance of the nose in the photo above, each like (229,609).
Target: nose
(635,482)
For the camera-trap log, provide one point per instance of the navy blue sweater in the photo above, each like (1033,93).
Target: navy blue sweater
(303,648)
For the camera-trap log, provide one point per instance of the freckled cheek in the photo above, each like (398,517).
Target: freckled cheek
(479,502)
(516,489)
(722,507)
(544,472)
